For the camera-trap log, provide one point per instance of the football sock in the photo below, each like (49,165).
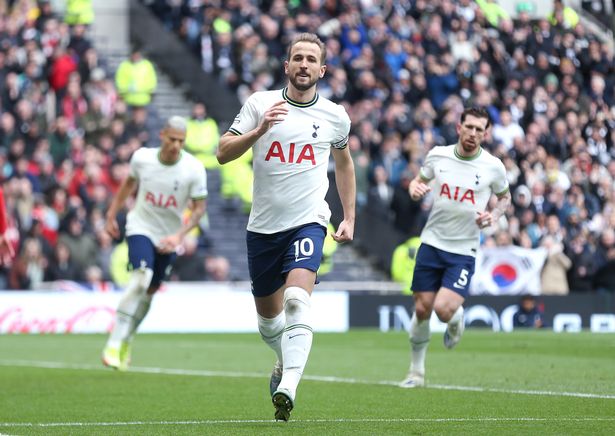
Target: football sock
(419,340)
(271,330)
(129,306)
(297,337)
(456,318)
(142,310)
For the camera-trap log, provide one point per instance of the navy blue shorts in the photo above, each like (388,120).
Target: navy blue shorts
(142,253)
(437,268)
(271,257)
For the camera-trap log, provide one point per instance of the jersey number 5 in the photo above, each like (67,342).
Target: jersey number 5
(463,279)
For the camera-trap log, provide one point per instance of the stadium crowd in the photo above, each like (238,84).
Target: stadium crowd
(405,69)
(66,137)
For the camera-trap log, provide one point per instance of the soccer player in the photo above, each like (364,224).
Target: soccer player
(169,180)
(292,132)
(464,176)
(6,248)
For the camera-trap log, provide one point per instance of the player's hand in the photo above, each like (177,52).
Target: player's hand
(418,189)
(345,232)
(274,115)
(484,219)
(112,228)
(169,244)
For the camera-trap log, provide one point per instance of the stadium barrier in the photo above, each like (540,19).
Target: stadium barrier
(228,307)
(570,313)
(180,308)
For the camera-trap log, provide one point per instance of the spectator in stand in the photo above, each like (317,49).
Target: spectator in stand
(136,80)
(529,314)
(62,66)
(202,136)
(553,277)
(28,271)
(61,265)
(82,245)
(79,12)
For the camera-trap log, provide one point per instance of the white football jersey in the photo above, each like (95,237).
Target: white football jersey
(290,160)
(164,192)
(461,188)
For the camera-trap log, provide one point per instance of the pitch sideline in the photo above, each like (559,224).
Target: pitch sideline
(329,379)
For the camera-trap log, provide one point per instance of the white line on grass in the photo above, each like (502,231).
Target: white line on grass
(329,379)
(301,421)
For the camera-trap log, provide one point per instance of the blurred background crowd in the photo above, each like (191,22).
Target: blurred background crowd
(403,69)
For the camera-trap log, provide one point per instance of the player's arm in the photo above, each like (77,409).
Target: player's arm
(501,206)
(197,210)
(169,243)
(346,188)
(485,219)
(232,145)
(127,188)
(419,187)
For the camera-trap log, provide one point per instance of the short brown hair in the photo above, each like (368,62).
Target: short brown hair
(308,37)
(477,112)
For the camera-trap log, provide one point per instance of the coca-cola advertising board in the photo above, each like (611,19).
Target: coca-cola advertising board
(184,309)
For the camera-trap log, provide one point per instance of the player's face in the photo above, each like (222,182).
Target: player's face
(172,143)
(304,68)
(471,133)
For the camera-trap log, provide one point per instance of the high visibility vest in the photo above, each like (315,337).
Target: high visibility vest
(403,261)
(136,82)
(79,12)
(201,141)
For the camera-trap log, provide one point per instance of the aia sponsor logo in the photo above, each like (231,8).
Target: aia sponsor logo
(457,194)
(160,200)
(294,154)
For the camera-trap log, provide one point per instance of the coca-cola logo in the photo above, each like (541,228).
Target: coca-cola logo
(86,320)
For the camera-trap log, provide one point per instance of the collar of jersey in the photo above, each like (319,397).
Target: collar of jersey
(297,103)
(181,154)
(458,156)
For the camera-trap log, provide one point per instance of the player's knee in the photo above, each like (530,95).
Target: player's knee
(422,313)
(444,310)
(422,310)
(145,276)
(296,299)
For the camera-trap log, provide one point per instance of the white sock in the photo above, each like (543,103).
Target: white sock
(297,337)
(419,340)
(271,330)
(142,310)
(129,306)
(457,317)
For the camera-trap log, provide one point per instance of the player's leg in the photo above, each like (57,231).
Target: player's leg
(449,308)
(265,260)
(302,260)
(449,301)
(162,266)
(420,335)
(141,254)
(271,324)
(161,269)
(425,282)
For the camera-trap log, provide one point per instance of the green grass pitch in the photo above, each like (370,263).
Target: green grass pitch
(532,382)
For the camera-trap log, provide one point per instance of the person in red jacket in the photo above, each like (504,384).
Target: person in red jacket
(6,249)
